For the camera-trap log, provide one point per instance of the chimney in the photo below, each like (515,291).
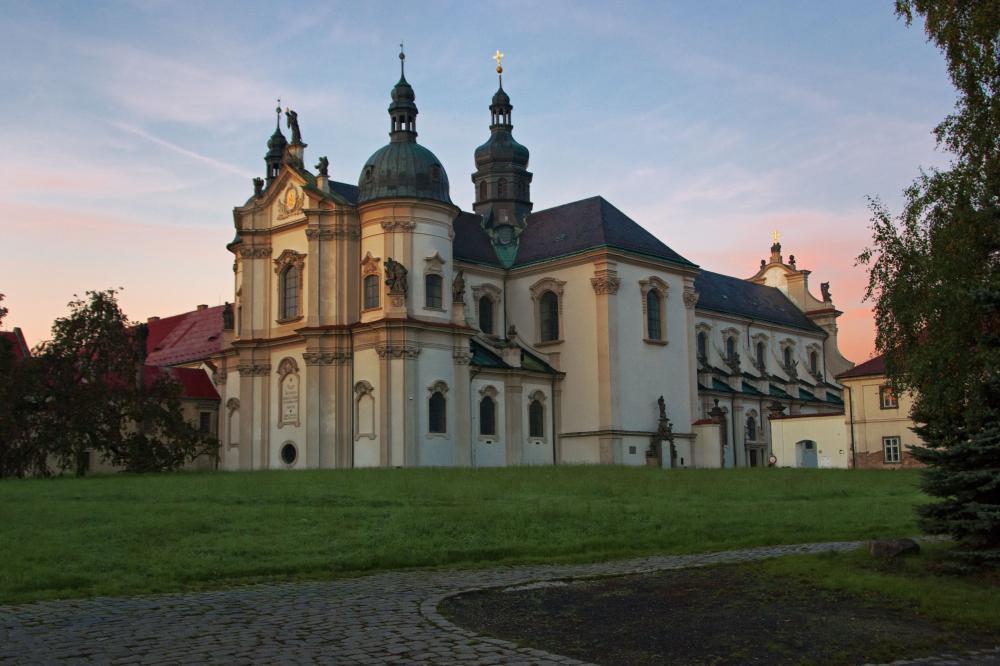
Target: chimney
(152,319)
(202,307)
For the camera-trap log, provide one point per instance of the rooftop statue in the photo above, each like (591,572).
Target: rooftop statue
(293,124)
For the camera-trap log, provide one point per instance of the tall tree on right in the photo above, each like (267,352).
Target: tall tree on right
(935,283)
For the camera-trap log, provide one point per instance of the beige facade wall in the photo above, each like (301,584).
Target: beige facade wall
(871,423)
(828,435)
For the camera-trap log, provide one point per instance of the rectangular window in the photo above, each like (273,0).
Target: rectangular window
(371,292)
(887,398)
(433,288)
(205,422)
(890,448)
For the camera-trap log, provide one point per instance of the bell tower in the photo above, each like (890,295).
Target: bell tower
(502,180)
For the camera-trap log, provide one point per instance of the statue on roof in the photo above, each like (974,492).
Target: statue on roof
(824,287)
(258,186)
(292,119)
(323,166)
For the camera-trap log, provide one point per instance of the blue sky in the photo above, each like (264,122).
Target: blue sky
(132,129)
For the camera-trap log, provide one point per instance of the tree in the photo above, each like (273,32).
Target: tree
(89,391)
(935,283)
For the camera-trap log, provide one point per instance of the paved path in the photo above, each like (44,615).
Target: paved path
(384,618)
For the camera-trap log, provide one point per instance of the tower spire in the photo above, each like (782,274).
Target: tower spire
(403,109)
(502,179)
(275,148)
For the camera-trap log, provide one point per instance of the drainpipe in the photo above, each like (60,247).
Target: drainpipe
(354,404)
(552,418)
(850,404)
(732,419)
(472,437)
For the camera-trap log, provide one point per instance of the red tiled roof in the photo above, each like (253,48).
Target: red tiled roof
(18,347)
(871,367)
(191,336)
(195,382)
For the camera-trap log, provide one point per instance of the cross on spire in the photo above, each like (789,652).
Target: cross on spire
(402,60)
(498,56)
(775,236)
(277,110)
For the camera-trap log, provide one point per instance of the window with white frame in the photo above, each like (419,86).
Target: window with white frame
(547,295)
(371,296)
(654,297)
(437,409)
(536,417)
(290,267)
(432,291)
(891,449)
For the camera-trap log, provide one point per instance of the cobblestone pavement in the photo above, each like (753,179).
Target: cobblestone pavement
(383,618)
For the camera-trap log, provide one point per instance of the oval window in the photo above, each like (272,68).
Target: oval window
(289,454)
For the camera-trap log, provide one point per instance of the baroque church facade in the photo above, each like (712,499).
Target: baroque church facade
(381,325)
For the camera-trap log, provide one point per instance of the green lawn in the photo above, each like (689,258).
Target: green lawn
(137,534)
(965,602)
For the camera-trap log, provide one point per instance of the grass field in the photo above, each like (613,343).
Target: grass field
(138,534)
(971,602)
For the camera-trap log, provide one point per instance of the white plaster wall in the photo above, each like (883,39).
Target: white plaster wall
(578,351)
(435,365)
(634,450)
(580,450)
(647,370)
(287,433)
(430,240)
(706,445)
(489,451)
(366,367)
(230,450)
(828,431)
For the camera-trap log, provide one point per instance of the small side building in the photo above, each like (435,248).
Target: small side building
(878,420)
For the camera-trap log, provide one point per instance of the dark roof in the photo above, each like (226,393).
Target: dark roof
(585,225)
(403,169)
(195,382)
(487,358)
(723,293)
(471,243)
(349,192)
(18,347)
(183,338)
(777,392)
(871,367)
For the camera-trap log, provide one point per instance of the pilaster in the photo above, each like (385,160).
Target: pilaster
(606,283)
(513,406)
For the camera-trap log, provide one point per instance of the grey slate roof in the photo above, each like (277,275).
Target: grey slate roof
(471,243)
(722,293)
(585,225)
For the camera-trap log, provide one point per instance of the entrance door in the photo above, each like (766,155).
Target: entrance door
(753,458)
(806,454)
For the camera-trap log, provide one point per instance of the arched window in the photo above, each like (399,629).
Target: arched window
(502,188)
(487,416)
(482,190)
(702,345)
(486,314)
(548,313)
(371,292)
(536,419)
(751,429)
(432,287)
(730,348)
(787,356)
(436,413)
(760,355)
(290,292)
(654,328)
(814,362)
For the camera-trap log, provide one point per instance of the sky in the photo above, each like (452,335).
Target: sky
(130,130)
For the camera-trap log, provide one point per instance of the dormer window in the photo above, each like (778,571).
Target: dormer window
(814,362)
(787,356)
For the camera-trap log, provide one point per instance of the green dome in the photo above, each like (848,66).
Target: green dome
(501,147)
(403,169)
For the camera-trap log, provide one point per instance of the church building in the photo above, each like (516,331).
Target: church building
(378,324)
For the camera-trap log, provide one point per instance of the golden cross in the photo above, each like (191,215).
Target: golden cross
(498,56)
(775,236)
